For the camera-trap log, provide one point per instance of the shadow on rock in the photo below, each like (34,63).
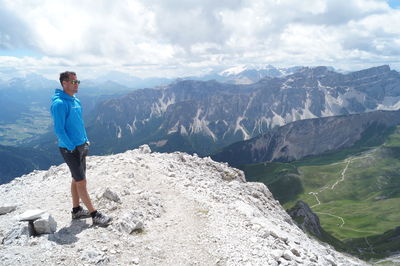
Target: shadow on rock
(67,235)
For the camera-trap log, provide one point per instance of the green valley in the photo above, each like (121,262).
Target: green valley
(355,192)
(32,123)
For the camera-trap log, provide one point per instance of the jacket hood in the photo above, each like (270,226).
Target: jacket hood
(60,94)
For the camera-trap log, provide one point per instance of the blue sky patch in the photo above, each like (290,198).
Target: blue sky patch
(19,53)
(394,3)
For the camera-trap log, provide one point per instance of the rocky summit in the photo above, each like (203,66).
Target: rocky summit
(167,209)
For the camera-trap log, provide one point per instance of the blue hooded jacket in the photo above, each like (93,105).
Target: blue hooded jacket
(66,111)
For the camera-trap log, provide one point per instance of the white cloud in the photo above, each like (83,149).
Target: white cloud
(171,37)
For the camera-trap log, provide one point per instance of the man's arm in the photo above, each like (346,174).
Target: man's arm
(59,113)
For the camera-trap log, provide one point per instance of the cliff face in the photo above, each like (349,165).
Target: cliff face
(306,219)
(193,211)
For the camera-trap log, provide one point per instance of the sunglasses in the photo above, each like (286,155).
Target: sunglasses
(75,81)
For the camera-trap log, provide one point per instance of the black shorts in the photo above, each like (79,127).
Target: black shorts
(76,161)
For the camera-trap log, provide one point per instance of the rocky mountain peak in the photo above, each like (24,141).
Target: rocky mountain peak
(379,71)
(376,70)
(315,71)
(190,210)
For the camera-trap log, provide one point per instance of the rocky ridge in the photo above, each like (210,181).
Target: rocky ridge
(193,211)
(309,137)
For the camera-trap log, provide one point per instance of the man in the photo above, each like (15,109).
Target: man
(74,145)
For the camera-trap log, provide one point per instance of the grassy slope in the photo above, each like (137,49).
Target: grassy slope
(367,196)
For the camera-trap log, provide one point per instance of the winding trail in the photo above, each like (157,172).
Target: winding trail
(340,218)
(343,173)
(341,179)
(316,198)
(181,236)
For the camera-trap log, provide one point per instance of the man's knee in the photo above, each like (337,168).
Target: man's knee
(80,182)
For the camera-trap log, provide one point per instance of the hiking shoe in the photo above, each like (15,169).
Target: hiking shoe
(101,219)
(81,214)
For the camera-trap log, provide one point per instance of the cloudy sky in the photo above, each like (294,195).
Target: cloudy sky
(185,37)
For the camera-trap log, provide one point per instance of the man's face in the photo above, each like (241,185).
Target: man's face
(71,86)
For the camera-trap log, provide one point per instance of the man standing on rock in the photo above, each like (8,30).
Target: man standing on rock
(74,145)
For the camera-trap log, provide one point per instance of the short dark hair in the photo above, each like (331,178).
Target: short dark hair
(64,76)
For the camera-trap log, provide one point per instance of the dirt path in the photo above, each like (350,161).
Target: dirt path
(178,236)
(341,179)
(340,218)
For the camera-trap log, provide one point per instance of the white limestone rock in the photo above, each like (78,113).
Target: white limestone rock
(17,235)
(45,224)
(276,254)
(7,209)
(111,195)
(129,223)
(135,261)
(95,256)
(144,149)
(31,215)
(295,252)
(288,255)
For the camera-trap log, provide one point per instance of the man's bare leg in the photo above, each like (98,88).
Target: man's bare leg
(75,195)
(81,193)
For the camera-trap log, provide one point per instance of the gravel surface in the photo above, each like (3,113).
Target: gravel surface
(167,209)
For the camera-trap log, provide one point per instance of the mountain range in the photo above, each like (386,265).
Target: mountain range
(199,117)
(24,99)
(205,116)
(247,74)
(25,120)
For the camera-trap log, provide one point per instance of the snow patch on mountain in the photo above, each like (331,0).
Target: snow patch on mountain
(233,70)
(193,211)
